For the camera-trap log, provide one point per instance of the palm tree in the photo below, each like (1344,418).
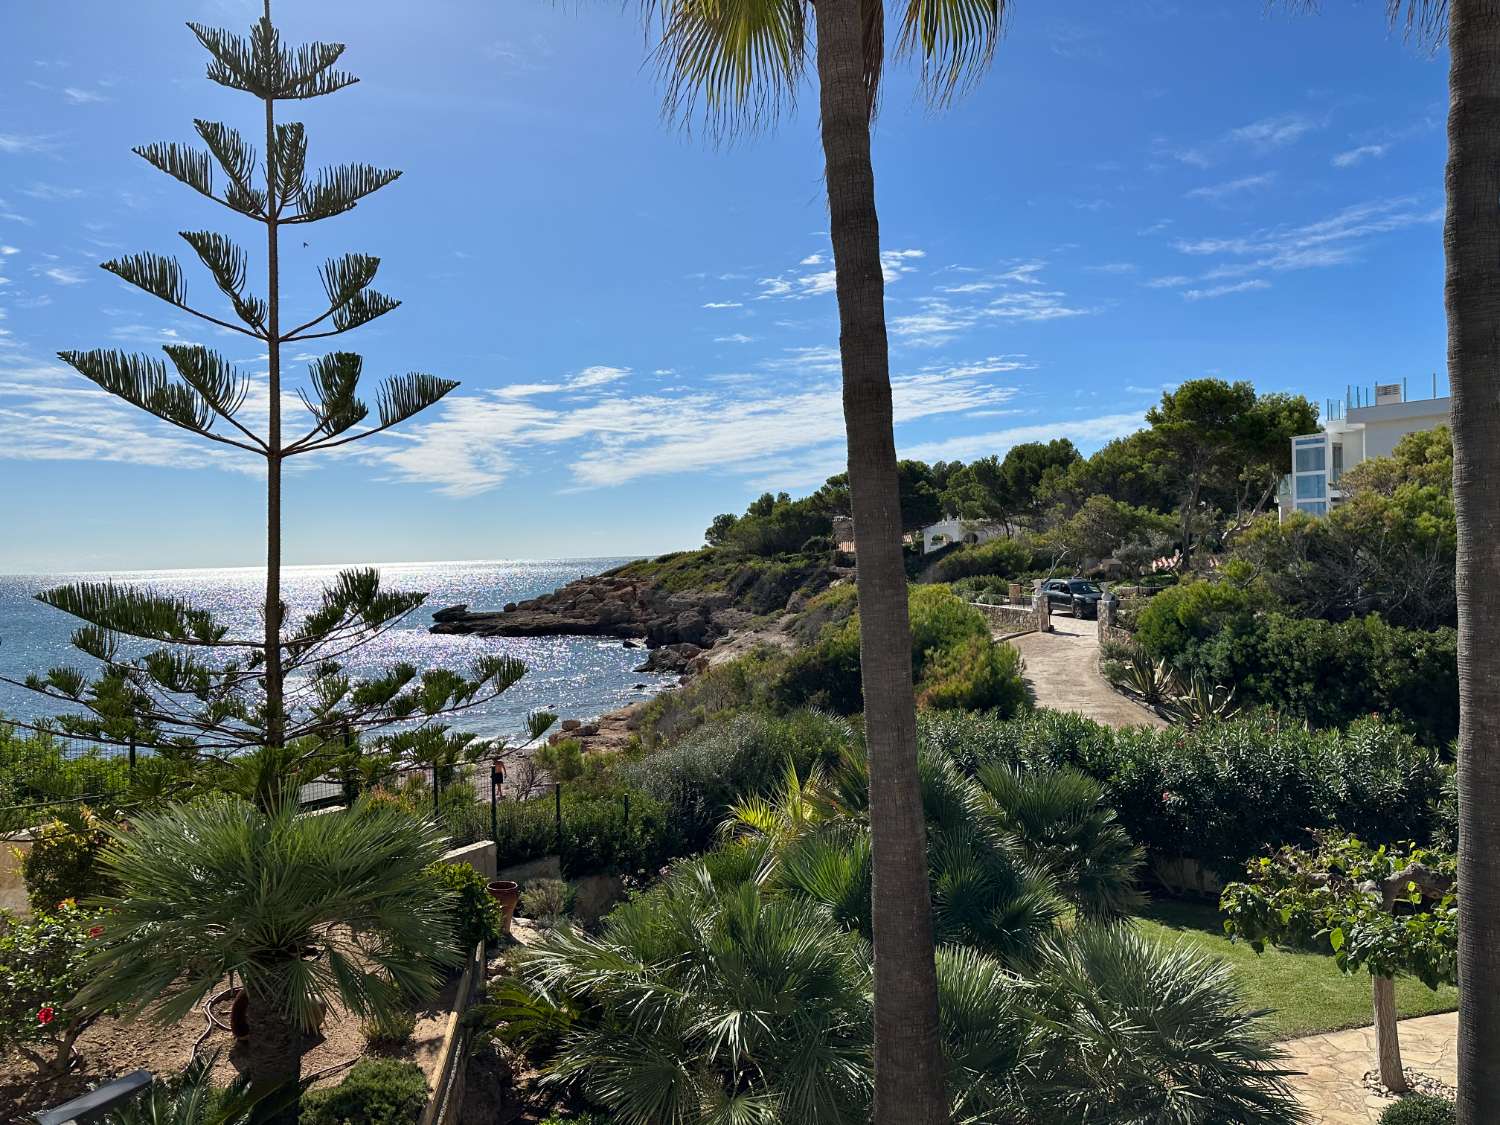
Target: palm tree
(303,910)
(1471,298)
(744,61)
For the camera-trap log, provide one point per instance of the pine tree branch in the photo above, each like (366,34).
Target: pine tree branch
(237,157)
(143,383)
(340,188)
(227,262)
(401,396)
(162,278)
(261,65)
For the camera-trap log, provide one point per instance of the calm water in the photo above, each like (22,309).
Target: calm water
(578,677)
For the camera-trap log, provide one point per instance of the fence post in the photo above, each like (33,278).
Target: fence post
(132,755)
(627,812)
(557,798)
(436,806)
(351,776)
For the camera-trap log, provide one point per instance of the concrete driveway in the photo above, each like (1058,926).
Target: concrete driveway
(1062,670)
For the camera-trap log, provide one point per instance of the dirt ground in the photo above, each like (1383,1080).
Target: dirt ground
(112,1047)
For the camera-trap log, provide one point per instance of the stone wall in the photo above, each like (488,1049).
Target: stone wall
(1109,607)
(1015,619)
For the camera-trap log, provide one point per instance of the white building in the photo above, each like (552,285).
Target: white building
(1355,434)
(950,529)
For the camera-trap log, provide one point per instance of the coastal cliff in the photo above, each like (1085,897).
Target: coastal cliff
(682,603)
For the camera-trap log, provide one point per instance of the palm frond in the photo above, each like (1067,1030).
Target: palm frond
(953,40)
(737,63)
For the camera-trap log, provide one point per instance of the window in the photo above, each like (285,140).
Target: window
(1311,487)
(1313,508)
(1338,461)
(1310,459)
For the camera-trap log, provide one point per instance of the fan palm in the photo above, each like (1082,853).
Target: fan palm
(303,910)
(1131,1032)
(1061,821)
(740,64)
(715,999)
(191,1098)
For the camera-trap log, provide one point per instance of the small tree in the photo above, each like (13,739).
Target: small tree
(207,689)
(43,964)
(1384,910)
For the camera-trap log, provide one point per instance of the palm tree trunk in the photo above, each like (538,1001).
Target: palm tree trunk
(1471,243)
(909,1080)
(1387,1040)
(276,1069)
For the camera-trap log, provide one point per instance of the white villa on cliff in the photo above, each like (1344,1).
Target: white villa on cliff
(951,529)
(1353,433)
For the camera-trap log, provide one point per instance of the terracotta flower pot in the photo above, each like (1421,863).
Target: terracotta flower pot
(506,893)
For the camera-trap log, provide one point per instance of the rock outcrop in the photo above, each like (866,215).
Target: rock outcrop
(605,606)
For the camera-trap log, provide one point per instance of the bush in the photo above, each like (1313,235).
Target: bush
(1420,1109)
(476,915)
(975,675)
(1007,558)
(1180,617)
(61,863)
(391,1030)
(546,901)
(695,780)
(1226,790)
(43,965)
(375,1092)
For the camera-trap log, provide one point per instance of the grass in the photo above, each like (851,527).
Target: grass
(1307,991)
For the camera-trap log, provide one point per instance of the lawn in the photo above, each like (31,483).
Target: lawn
(1307,991)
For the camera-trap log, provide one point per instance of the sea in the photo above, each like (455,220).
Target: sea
(576,677)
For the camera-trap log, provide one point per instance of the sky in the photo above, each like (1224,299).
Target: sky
(642,317)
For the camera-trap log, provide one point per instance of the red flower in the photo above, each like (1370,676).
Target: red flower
(96,932)
(46,1015)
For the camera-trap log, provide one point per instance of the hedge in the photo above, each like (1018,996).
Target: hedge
(1226,791)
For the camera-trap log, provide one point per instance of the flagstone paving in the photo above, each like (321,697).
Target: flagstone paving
(1334,1065)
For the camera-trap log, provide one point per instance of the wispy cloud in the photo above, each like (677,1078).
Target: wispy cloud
(1218,192)
(1257,138)
(51,192)
(1112,267)
(75,95)
(1328,242)
(1225,290)
(63,275)
(723,304)
(15,143)
(1171,281)
(1354,156)
(799,283)
(734,338)
(733,427)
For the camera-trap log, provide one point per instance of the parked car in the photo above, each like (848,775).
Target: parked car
(1078,596)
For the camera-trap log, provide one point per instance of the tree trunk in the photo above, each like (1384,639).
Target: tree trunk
(1387,1044)
(1471,243)
(273,670)
(909,1078)
(274,1066)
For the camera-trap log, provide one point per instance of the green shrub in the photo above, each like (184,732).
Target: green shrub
(696,779)
(1182,616)
(43,965)
(1007,558)
(546,901)
(61,863)
(476,915)
(390,1030)
(1224,791)
(375,1092)
(598,835)
(975,675)
(1420,1109)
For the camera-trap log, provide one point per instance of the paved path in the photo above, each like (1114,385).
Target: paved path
(1062,670)
(1332,1087)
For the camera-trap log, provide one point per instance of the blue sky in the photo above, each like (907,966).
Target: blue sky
(643,322)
